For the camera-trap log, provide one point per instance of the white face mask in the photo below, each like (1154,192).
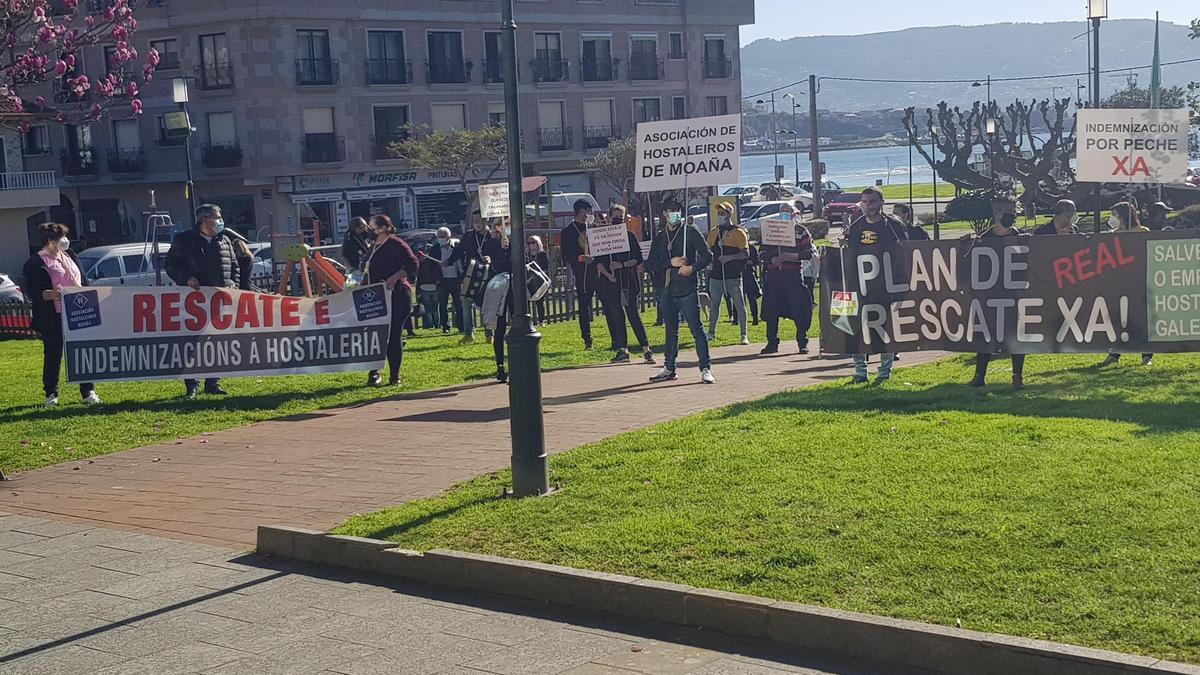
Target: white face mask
(443,241)
(1074,219)
(590,219)
(64,244)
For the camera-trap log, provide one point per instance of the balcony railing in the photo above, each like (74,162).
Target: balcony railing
(81,162)
(598,70)
(221,155)
(27,180)
(324,149)
(448,72)
(382,142)
(389,71)
(126,161)
(598,138)
(493,71)
(554,138)
(550,70)
(214,77)
(316,72)
(718,69)
(641,69)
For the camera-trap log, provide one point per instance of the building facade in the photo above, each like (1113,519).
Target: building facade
(294,103)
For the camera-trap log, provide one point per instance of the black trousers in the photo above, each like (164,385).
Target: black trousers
(498,337)
(402,305)
(585,291)
(982,361)
(52,356)
(621,305)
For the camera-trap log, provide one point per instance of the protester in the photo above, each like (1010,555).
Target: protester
(677,254)
(573,240)
(356,244)
(536,251)
(429,278)
(810,271)
(1004,220)
(1124,218)
(199,257)
(470,248)
(1156,216)
(498,252)
(393,263)
(873,233)
(1066,217)
(619,283)
(750,284)
(785,296)
(244,257)
(904,214)
(730,246)
(450,285)
(47,272)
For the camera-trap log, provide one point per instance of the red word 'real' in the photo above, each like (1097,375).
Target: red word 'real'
(195,312)
(1072,269)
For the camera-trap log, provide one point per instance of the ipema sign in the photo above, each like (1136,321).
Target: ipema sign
(1132,146)
(699,152)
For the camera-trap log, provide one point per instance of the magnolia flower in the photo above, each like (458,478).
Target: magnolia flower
(136,105)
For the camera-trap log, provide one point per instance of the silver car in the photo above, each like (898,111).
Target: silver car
(9,290)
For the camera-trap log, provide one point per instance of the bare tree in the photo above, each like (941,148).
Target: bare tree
(466,153)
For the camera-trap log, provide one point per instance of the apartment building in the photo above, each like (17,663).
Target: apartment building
(294,103)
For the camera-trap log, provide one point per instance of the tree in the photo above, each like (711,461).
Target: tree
(1173,97)
(615,165)
(42,44)
(466,153)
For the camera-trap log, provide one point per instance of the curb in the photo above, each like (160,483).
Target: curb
(911,643)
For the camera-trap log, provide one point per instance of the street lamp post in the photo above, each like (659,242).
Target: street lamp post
(814,150)
(179,94)
(1097,10)
(991,136)
(530,475)
(774,138)
(795,133)
(937,228)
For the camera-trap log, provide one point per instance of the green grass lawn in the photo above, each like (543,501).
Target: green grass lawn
(1066,512)
(140,413)
(897,192)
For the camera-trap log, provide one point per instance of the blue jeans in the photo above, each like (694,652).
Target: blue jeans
(689,306)
(433,314)
(885,365)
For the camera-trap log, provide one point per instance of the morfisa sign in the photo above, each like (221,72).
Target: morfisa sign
(698,152)
(1132,146)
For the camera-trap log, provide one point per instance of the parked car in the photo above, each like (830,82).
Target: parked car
(829,189)
(9,290)
(750,216)
(417,240)
(562,207)
(842,208)
(747,191)
(123,265)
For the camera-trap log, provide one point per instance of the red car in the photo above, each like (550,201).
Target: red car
(843,208)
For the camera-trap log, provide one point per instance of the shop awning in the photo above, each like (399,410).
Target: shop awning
(386,193)
(316,197)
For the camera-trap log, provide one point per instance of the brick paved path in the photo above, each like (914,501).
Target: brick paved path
(315,470)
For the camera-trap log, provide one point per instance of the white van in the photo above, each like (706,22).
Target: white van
(123,265)
(562,207)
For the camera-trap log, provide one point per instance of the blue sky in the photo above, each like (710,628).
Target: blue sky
(790,18)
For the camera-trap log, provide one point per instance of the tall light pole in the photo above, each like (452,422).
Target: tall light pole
(991,136)
(179,94)
(1097,10)
(813,150)
(937,228)
(530,475)
(774,138)
(795,134)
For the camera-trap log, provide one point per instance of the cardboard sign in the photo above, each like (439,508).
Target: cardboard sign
(1132,146)
(699,152)
(778,232)
(493,200)
(608,239)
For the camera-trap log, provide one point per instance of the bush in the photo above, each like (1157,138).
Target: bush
(817,227)
(1186,219)
(974,207)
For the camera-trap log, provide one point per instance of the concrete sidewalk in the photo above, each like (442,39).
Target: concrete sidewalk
(314,470)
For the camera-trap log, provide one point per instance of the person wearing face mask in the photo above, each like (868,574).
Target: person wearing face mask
(1066,217)
(677,254)
(573,240)
(497,250)
(47,272)
(1004,221)
(619,282)
(785,295)
(904,214)
(204,256)
(469,248)
(730,245)
(393,263)
(1156,216)
(873,233)
(450,283)
(536,251)
(1124,219)
(356,244)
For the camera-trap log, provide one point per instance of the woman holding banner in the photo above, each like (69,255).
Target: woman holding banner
(1004,220)
(393,263)
(47,272)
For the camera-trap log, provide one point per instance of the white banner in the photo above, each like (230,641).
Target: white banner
(156,333)
(607,240)
(778,232)
(493,200)
(699,152)
(1132,146)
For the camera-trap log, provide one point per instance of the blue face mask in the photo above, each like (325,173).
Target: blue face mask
(219,226)
(673,217)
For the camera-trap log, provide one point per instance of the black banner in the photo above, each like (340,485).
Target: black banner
(1122,292)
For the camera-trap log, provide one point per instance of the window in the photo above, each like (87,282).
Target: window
(492,61)
(678,108)
(448,116)
(716,64)
(216,72)
(386,59)
(109,268)
(643,59)
(134,264)
(221,129)
(391,126)
(597,64)
(496,113)
(313,65)
(168,53)
(646,110)
(552,133)
(321,143)
(446,64)
(548,64)
(110,53)
(164,140)
(597,124)
(717,105)
(36,141)
(126,136)
(222,151)
(676,47)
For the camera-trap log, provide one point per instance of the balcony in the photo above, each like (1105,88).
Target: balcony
(324,149)
(381,143)
(28,189)
(221,155)
(554,139)
(448,72)
(80,163)
(318,72)
(126,161)
(214,77)
(598,138)
(493,71)
(389,71)
(718,69)
(598,70)
(550,70)
(645,69)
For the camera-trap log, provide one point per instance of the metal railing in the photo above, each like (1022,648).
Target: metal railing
(597,70)
(81,162)
(550,70)
(493,72)
(324,149)
(126,161)
(389,71)
(221,155)
(214,77)
(718,69)
(598,138)
(381,143)
(316,72)
(16,320)
(554,138)
(642,69)
(447,72)
(27,180)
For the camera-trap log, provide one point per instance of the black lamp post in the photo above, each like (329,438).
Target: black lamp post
(795,133)
(774,137)
(179,94)
(991,137)
(937,228)
(1097,10)
(530,475)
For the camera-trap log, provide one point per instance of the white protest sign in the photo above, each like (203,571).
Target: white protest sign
(699,152)
(607,240)
(493,200)
(645,245)
(1132,146)
(778,232)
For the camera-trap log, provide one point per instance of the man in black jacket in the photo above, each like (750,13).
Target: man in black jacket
(573,240)
(204,256)
(469,248)
(677,255)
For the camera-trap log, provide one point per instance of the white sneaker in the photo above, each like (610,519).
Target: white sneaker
(706,376)
(745,340)
(664,375)
(91,398)
(51,401)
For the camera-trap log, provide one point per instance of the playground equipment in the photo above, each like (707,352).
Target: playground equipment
(297,258)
